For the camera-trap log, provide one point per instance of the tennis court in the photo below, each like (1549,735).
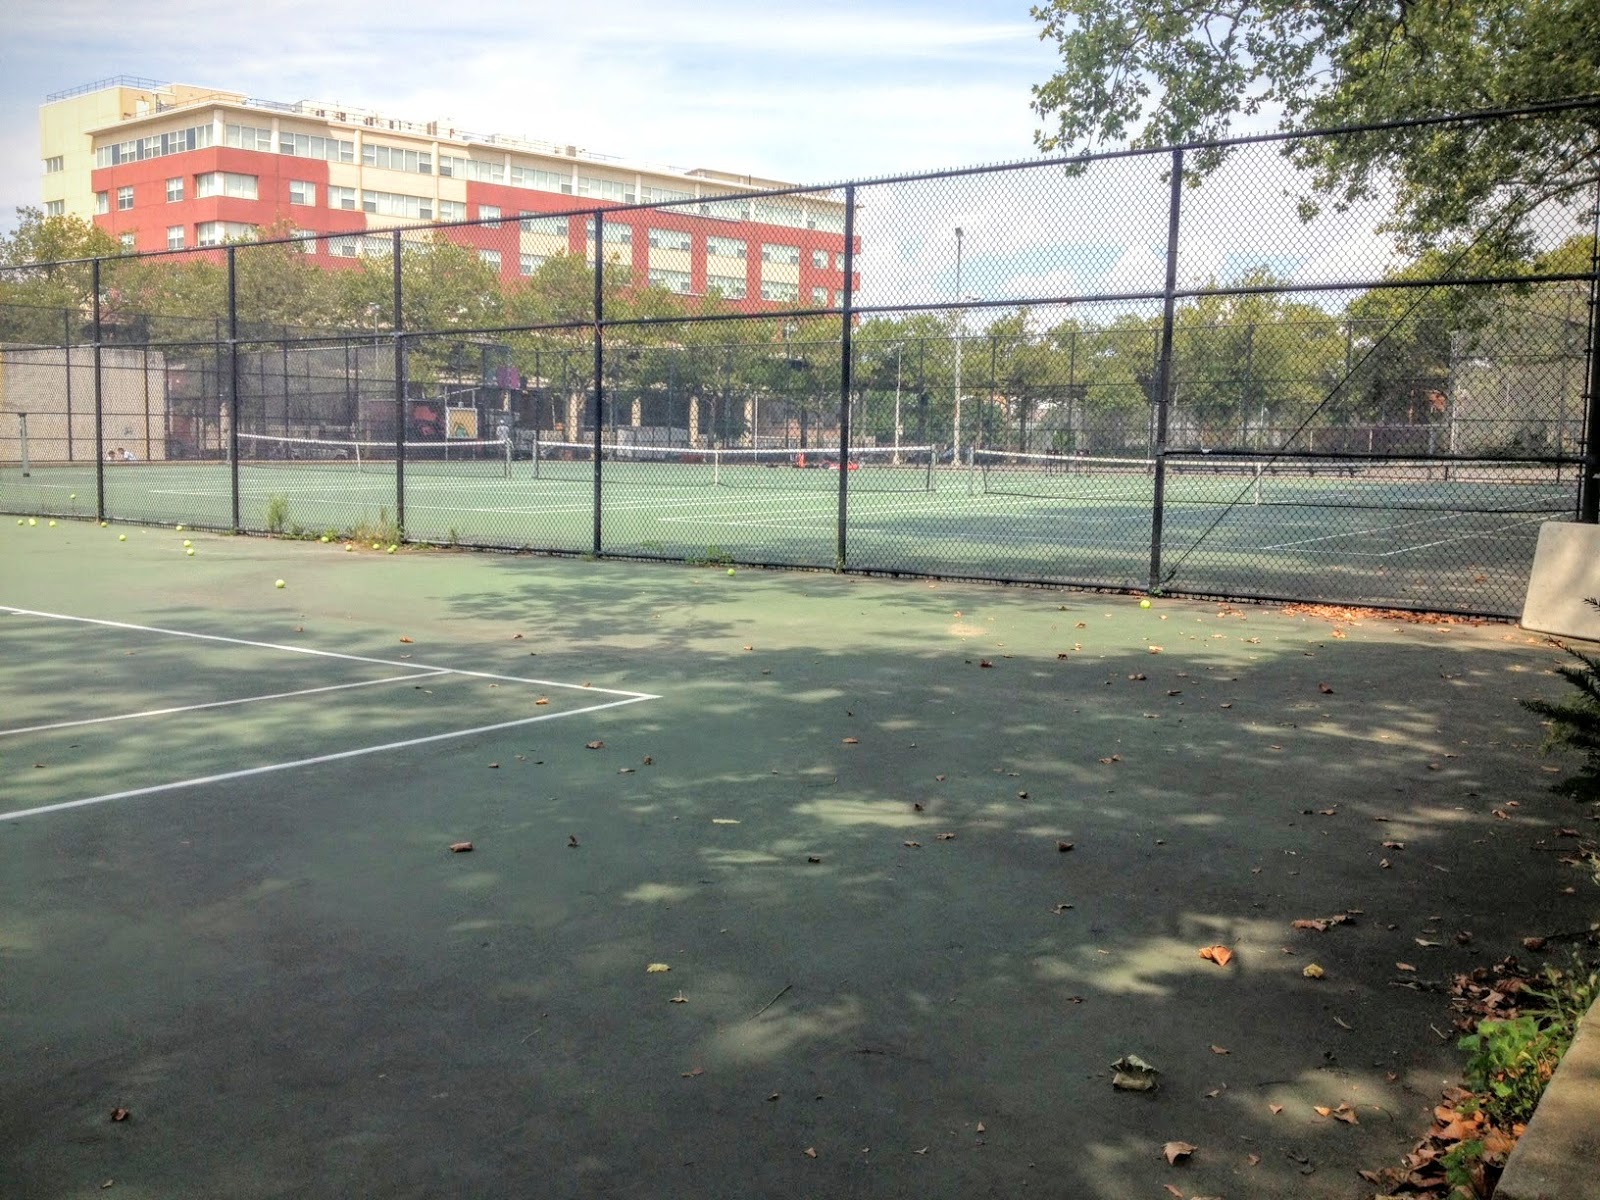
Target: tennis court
(1413,533)
(923,859)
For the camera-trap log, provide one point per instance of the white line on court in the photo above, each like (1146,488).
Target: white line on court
(187,708)
(202,780)
(430,668)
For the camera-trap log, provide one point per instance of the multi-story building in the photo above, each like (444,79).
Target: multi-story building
(167,166)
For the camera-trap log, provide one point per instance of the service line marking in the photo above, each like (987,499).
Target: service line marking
(188,708)
(270,768)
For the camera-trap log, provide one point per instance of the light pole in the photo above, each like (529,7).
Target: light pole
(961,322)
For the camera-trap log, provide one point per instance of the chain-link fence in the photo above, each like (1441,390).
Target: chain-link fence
(1070,372)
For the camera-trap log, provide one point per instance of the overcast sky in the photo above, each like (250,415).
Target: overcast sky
(814,92)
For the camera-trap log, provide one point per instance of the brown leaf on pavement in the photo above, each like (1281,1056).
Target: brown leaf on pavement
(460,847)
(1176,1152)
(1220,955)
(811,1151)
(405,641)
(120,1114)
(693,1073)
(1220,1050)
(852,741)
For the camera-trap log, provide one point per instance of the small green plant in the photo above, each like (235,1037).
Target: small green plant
(1463,1169)
(1575,723)
(384,529)
(277,514)
(715,556)
(1508,1065)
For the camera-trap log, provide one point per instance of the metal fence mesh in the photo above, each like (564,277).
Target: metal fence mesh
(1007,373)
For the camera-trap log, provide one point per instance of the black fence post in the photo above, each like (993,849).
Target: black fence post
(233,383)
(1163,390)
(99,401)
(846,350)
(1589,485)
(66,351)
(399,394)
(599,364)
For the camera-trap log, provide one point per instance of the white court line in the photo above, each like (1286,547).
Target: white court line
(202,780)
(186,708)
(387,662)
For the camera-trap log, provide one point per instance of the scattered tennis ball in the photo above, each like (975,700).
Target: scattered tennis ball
(32,521)
(74,496)
(52,524)
(348,548)
(180,528)
(1144,604)
(20,521)
(730,570)
(190,551)
(122,537)
(103,524)
(323,539)
(392,549)
(375,546)
(278,584)
(187,543)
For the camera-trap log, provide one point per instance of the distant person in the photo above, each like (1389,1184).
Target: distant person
(127,456)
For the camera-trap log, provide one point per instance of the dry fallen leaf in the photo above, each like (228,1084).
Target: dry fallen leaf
(657,968)
(1220,955)
(1404,966)
(811,1151)
(405,641)
(852,741)
(693,1073)
(460,847)
(1176,1152)
(813,858)
(120,1114)
(1324,689)
(572,841)
(648,760)
(1063,847)
(913,845)
(516,637)
(1130,1073)
(724,820)
(1312,971)
(947,837)
(542,700)
(1178,1192)
(1276,1108)
(1533,943)
(594,745)
(494,766)
(1219,1050)
(680,998)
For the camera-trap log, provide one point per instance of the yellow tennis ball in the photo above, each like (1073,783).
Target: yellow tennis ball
(122,537)
(1144,604)
(190,551)
(348,548)
(52,524)
(20,521)
(74,496)
(180,528)
(375,546)
(278,584)
(32,521)
(103,524)
(392,549)
(730,570)
(323,539)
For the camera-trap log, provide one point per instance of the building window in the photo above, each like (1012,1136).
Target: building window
(55,208)
(197,137)
(606,189)
(174,237)
(341,197)
(302,191)
(347,246)
(826,222)
(776,252)
(489,214)
(484,171)
(225,183)
(305,241)
(393,204)
(247,137)
(540,180)
(670,239)
(215,233)
(127,241)
(777,212)
(779,291)
(102,203)
(175,190)
(819,297)
(661,195)
(838,261)
(732,287)
(52,165)
(725,247)
(393,158)
(819,259)
(673,281)
(452,210)
(616,234)
(548,226)
(490,259)
(124,198)
(302,145)
(532,262)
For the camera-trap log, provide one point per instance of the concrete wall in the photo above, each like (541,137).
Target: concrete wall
(38,382)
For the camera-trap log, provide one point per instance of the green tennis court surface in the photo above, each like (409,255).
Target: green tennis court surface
(1412,534)
(833,806)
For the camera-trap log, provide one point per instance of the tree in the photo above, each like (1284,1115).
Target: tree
(47,293)
(1156,72)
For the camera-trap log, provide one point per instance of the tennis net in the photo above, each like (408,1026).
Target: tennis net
(449,457)
(872,468)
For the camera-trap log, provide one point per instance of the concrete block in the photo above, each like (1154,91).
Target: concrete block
(1566,571)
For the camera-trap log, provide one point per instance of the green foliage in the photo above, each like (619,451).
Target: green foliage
(383,528)
(1167,71)
(277,514)
(1509,1065)
(715,556)
(1575,723)
(1463,1169)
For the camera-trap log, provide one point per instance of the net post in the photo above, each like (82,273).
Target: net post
(505,439)
(927,472)
(846,350)
(22,441)
(400,394)
(233,383)
(1163,380)
(716,466)
(99,400)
